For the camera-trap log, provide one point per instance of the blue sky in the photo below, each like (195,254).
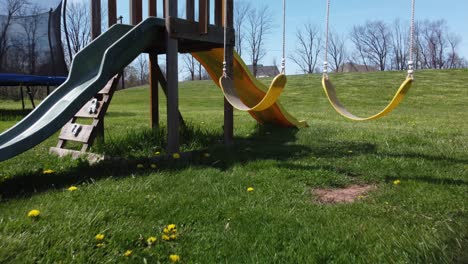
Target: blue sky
(344,14)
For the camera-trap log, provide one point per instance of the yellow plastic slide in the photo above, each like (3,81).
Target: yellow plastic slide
(248,88)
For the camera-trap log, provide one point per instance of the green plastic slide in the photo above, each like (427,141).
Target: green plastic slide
(91,69)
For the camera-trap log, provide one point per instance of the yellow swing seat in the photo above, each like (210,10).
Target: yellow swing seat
(330,91)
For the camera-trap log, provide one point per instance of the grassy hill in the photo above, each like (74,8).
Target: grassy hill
(423,144)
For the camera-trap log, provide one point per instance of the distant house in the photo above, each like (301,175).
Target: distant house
(354,67)
(265,71)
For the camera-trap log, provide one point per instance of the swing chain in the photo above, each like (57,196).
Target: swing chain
(411,48)
(327,28)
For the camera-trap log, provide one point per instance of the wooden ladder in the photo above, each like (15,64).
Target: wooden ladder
(94,109)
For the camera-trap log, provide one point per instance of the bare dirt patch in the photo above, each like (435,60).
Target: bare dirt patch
(343,195)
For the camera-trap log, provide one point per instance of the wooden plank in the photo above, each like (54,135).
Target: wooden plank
(136,11)
(154,96)
(111,12)
(106,88)
(91,157)
(228,109)
(84,111)
(173,136)
(83,136)
(204,16)
(190,8)
(95,18)
(152,8)
(184,29)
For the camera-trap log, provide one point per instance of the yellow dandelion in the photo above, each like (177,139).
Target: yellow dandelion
(165,237)
(396,182)
(127,253)
(34,213)
(174,258)
(48,171)
(176,156)
(157,153)
(151,240)
(154,166)
(360,197)
(166,231)
(99,237)
(140,166)
(72,188)
(100,245)
(171,227)
(250,189)
(173,237)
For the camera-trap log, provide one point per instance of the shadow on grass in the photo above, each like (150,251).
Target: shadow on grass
(13,114)
(265,144)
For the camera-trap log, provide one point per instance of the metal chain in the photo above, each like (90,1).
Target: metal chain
(411,48)
(327,28)
(283,60)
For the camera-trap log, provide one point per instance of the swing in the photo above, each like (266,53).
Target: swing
(330,91)
(276,86)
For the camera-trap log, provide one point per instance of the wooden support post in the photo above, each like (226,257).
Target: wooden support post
(111,12)
(190,8)
(172,81)
(204,15)
(153,77)
(31,97)
(136,11)
(228,109)
(152,8)
(22,96)
(219,15)
(95,18)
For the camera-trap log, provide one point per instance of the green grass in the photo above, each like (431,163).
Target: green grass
(423,143)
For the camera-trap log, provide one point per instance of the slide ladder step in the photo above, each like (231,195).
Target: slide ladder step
(95,109)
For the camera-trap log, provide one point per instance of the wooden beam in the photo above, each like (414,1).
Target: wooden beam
(190,8)
(153,78)
(152,8)
(228,109)
(163,83)
(204,15)
(154,96)
(173,137)
(219,14)
(184,29)
(111,12)
(136,11)
(95,18)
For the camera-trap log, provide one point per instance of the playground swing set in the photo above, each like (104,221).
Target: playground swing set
(99,64)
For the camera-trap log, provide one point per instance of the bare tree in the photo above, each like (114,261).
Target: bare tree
(337,53)
(30,25)
(309,46)
(437,46)
(400,46)
(372,41)
(142,69)
(259,23)
(79,25)
(10,8)
(241,10)
(190,65)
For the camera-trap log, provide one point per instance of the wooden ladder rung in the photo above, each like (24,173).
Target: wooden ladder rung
(83,136)
(84,111)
